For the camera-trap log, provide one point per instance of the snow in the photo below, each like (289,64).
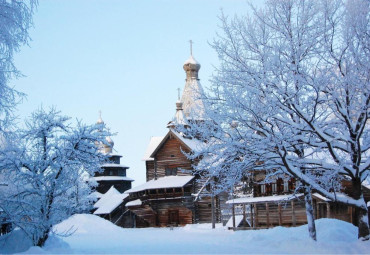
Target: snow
(153,144)
(250,200)
(114,165)
(134,203)
(193,144)
(112,178)
(238,220)
(109,201)
(162,183)
(191,60)
(95,235)
(97,194)
(337,195)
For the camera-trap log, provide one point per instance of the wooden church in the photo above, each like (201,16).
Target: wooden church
(112,183)
(168,197)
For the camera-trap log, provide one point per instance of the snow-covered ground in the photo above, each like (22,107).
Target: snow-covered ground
(96,235)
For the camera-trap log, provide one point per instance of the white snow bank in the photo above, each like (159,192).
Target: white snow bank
(96,235)
(14,242)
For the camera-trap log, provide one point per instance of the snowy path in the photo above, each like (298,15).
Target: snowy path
(95,235)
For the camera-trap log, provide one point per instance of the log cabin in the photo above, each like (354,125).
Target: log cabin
(278,204)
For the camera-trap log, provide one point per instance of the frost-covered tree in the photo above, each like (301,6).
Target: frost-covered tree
(292,96)
(45,164)
(15,21)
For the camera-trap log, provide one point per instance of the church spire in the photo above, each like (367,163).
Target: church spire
(193,106)
(191,66)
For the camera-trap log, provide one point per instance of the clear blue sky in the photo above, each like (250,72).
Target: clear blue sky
(121,57)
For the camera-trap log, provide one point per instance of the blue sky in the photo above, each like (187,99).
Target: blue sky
(121,57)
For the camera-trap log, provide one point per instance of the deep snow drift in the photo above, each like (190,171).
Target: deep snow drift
(96,235)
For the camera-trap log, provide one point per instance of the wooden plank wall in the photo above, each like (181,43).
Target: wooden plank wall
(269,214)
(170,156)
(149,170)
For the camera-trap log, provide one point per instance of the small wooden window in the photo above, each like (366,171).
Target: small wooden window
(274,187)
(286,186)
(263,189)
(171,171)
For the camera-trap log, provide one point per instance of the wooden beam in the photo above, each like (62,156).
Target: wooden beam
(233,216)
(294,220)
(328,214)
(317,210)
(244,218)
(280,216)
(252,220)
(255,215)
(267,215)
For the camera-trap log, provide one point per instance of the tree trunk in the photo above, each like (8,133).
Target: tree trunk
(361,212)
(213,211)
(309,212)
(42,239)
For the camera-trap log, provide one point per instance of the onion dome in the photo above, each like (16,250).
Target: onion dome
(100,120)
(110,141)
(191,67)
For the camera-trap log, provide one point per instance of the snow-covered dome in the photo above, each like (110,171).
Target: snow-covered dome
(191,66)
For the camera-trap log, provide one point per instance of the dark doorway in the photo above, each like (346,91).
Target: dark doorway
(173,217)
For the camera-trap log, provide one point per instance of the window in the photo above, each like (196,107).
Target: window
(297,184)
(263,189)
(286,186)
(274,187)
(171,171)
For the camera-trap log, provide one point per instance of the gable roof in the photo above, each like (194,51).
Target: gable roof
(109,201)
(153,144)
(190,144)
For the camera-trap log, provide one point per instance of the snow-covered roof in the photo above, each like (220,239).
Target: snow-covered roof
(191,60)
(112,178)
(251,200)
(109,201)
(111,192)
(153,144)
(114,165)
(97,194)
(193,144)
(162,183)
(338,194)
(134,203)
(114,155)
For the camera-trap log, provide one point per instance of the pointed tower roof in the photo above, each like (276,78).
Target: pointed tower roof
(179,118)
